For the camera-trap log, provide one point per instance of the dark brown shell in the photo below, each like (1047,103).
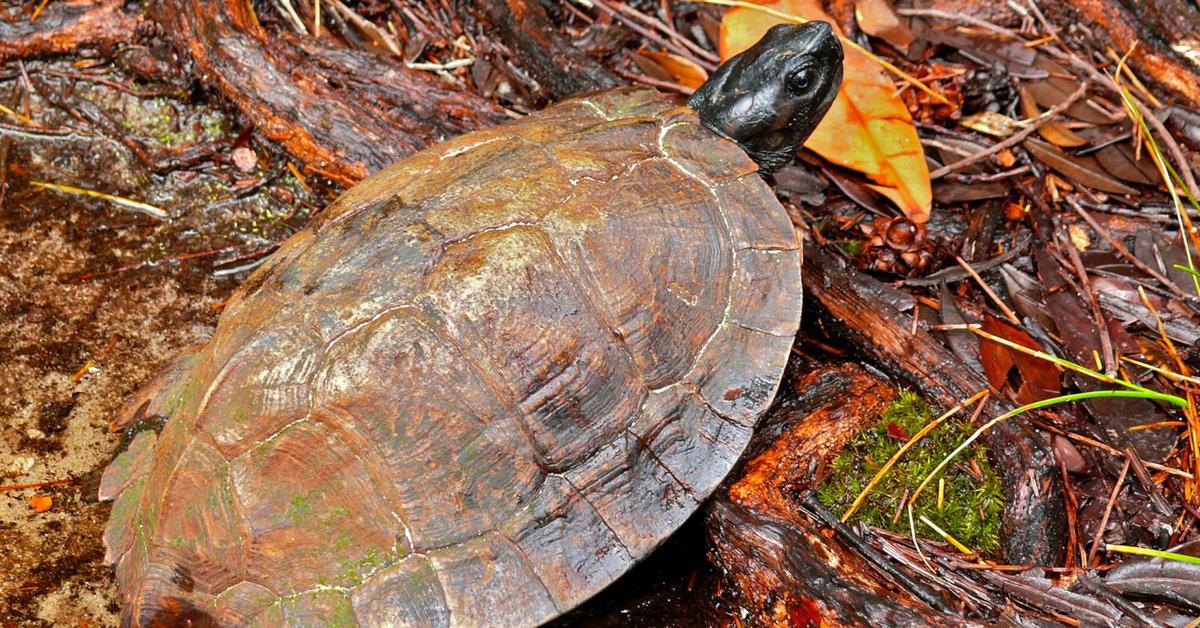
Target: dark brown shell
(485,382)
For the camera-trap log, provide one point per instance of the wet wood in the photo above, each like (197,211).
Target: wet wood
(877,321)
(560,69)
(779,565)
(340,113)
(69,26)
(1147,27)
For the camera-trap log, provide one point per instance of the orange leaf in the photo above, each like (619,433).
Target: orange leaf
(685,71)
(41,503)
(1032,379)
(867,129)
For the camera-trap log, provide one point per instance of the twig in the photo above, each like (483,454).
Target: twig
(959,17)
(145,208)
(23,118)
(1011,315)
(1112,499)
(1124,252)
(653,82)
(1016,138)
(1137,83)
(19,487)
(367,27)
(662,27)
(38,10)
(1071,504)
(1046,26)
(647,33)
(919,589)
(1105,447)
(1138,466)
(285,7)
(1085,286)
(157,262)
(435,67)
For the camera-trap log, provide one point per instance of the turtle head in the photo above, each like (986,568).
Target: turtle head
(770,97)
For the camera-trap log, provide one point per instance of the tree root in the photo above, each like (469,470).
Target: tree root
(68,26)
(340,113)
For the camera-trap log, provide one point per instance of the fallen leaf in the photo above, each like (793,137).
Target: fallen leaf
(683,71)
(1185,123)
(1120,161)
(868,129)
(990,123)
(897,432)
(1015,212)
(947,192)
(963,343)
(1054,89)
(1169,581)
(41,503)
(1032,379)
(878,18)
(1053,131)
(1085,170)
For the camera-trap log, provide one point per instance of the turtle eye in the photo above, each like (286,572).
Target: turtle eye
(801,79)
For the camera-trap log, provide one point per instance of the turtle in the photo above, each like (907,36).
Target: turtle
(488,379)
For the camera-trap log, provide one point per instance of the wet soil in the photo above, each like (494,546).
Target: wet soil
(94,297)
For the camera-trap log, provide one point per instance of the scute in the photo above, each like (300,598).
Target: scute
(479,387)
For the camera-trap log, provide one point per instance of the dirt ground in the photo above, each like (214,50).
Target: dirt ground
(93,301)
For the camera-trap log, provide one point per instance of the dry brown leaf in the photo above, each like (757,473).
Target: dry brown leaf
(1121,161)
(868,128)
(878,18)
(683,71)
(1053,131)
(1031,379)
(1085,170)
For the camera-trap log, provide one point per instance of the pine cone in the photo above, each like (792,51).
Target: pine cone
(896,245)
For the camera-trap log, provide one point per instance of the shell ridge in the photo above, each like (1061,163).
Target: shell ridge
(529,566)
(492,385)
(728,234)
(598,312)
(644,444)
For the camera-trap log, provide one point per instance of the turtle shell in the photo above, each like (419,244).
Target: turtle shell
(476,390)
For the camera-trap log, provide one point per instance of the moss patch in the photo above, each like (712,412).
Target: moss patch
(973,499)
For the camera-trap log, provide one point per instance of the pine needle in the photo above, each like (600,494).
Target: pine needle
(116,200)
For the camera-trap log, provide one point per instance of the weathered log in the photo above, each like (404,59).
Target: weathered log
(781,568)
(864,313)
(68,26)
(340,113)
(1150,28)
(559,68)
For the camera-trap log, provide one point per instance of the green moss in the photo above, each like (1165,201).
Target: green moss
(852,247)
(355,571)
(299,510)
(972,506)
